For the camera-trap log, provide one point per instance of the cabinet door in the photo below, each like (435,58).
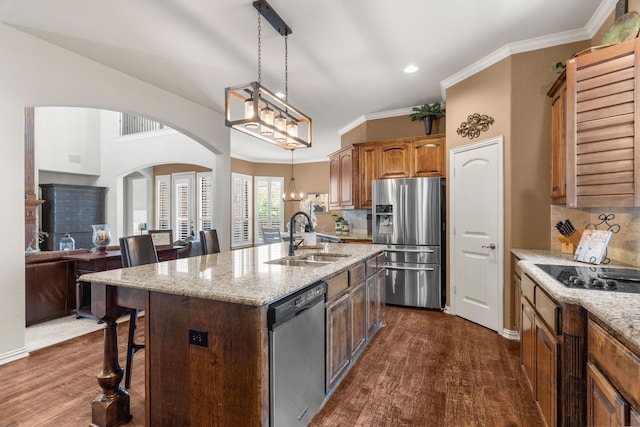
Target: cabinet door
(393,160)
(372,305)
(605,406)
(334,182)
(368,172)
(346,179)
(338,339)
(546,381)
(558,144)
(358,317)
(634,417)
(427,157)
(527,342)
(601,136)
(381,281)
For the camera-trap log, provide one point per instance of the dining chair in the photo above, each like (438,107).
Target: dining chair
(270,235)
(209,242)
(135,250)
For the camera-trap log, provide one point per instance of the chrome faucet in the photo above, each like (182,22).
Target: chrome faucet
(292,246)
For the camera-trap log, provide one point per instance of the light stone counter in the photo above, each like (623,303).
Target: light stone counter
(619,310)
(240,276)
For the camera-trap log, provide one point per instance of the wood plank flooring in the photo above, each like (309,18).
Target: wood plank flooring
(424,368)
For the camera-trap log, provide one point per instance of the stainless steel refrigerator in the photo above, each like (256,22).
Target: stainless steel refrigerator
(408,217)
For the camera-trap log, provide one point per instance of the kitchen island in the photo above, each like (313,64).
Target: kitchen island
(225,380)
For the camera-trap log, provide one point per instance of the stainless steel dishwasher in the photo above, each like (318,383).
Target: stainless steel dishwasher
(297,356)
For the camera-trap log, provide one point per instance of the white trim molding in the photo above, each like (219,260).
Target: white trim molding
(13,355)
(511,335)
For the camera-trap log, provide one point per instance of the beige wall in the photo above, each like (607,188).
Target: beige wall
(389,128)
(513,92)
(309,178)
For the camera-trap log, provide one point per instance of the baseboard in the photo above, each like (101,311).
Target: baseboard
(511,335)
(447,309)
(13,355)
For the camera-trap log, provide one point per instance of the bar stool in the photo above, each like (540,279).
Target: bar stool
(135,250)
(209,242)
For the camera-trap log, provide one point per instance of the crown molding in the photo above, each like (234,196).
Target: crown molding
(588,31)
(374,116)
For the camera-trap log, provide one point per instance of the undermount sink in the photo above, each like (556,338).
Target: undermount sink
(308,260)
(322,257)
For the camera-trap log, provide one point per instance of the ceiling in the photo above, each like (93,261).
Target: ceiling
(346,57)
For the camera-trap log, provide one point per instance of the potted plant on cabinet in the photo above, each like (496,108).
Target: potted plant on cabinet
(427,113)
(338,220)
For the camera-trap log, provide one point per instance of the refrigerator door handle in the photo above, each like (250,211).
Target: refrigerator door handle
(393,267)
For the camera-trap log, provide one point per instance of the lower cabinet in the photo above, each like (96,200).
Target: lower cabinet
(353,314)
(539,353)
(613,378)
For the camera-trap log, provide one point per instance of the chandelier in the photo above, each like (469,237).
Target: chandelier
(253,109)
(292,195)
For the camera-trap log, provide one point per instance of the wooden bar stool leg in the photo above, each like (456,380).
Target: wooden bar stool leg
(132,347)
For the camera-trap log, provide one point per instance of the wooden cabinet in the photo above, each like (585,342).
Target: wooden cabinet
(343,178)
(605,406)
(394,160)
(516,274)
(71,209)
(601,131)
(427,156)
(613,379)
(368,172)
(350,185)
(338,342)
(557,93)
(539,348)
(49,290)
(349,321)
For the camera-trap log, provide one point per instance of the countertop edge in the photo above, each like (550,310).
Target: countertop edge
(618,310)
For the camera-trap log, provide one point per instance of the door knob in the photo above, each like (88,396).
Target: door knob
(490,246)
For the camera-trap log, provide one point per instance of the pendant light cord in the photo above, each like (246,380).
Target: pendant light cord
(259,47)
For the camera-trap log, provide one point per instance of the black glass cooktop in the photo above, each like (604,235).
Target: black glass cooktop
(596,278)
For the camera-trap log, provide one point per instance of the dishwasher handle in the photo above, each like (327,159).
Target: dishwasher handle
(397,267)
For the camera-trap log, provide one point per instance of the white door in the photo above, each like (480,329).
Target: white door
(477,231)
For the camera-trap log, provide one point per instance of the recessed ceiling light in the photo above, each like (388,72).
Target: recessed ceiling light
(280,95)
(410,69)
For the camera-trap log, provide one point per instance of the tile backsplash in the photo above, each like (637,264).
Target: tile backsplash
(624,246)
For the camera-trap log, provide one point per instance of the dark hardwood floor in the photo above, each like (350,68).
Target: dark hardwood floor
(424,368)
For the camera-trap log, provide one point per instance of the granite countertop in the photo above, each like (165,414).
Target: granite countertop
(239,276)
(619,310)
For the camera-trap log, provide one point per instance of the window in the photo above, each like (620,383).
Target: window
(269,204)
(205,200)
(163,197)
(184,203)
(241,210)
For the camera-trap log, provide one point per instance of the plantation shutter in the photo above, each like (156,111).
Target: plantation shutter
(183,204)
(241,210)
(163,196)
(269,206)
(205,201)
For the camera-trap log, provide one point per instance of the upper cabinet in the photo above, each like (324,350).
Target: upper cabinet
(602,142)
(558,158)
(343,178)
(411,157)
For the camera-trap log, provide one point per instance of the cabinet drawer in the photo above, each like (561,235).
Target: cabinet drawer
(547,309)
(356,274)
(619,364)
(527,286)
(337,284)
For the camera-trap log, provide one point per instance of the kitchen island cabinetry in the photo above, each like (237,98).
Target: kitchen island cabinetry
(613,379)
(207,342)
(558,141)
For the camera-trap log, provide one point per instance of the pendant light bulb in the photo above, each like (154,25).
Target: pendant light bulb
(281,125)
(249,113)
(267,115)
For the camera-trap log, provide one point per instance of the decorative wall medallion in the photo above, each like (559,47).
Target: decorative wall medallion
(475,124)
